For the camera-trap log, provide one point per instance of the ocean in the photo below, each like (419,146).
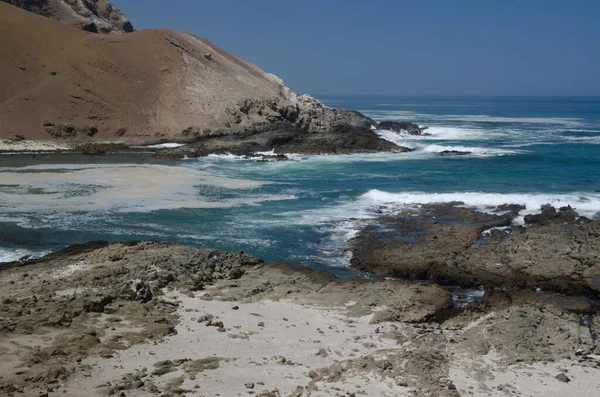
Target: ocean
(524,150)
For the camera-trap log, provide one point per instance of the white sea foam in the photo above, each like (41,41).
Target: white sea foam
(474,151)
(341,223)
(471,118)
(315,158)
(587,204)
(10,255)
(119,187)
(437,133)
(418,143)
(168,145)
(226,156)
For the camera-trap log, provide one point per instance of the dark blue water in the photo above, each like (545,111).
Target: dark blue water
(523,150)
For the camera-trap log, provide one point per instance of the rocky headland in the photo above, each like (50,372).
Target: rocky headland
(69,87)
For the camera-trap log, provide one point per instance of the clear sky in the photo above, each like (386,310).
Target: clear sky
(387,47)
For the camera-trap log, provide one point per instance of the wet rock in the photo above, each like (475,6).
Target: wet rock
(270,158)
(445,243)
(454,153)
(421,244)
(549,214)
(402,127)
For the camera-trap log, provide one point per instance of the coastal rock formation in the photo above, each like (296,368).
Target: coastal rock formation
(454,153)
(401,127)
(558,252)
(84,292)
(145,318)
(66,84)
(97,16)
(284,137)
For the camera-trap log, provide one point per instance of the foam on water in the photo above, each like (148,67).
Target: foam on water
(474,151)
(342,222)
(380,115)
(586,204)
(419,143)
(168,145)
(123,187)
(15,254)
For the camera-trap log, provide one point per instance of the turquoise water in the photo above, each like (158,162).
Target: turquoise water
(524,150)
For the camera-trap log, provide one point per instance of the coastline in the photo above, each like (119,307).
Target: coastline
(140,318)
(357,245)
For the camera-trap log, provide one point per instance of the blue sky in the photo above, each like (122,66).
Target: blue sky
(503,47)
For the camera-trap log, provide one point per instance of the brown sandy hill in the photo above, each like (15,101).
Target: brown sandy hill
(59,82)
(98,16)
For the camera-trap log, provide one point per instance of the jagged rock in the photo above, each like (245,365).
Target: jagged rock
(550,215)
(97,304)
(402,127)
(141,291)
(89,15)
(445,243)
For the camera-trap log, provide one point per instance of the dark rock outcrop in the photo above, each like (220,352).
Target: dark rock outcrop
(558,253)
(97,16)
(414,244)
(284,137)
(454,153)
(549,214)
(402,127)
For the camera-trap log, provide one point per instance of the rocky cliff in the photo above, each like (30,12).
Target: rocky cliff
(58,82)
(97,16)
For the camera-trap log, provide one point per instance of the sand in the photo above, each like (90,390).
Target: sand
(279,354)
(33,146)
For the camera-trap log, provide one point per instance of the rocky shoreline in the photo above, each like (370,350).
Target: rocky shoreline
(278,137)
(152,318)
(555,250)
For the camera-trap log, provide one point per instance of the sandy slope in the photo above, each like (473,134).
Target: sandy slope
(149,83)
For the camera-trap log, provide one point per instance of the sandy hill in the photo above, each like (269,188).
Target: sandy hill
(57,82)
